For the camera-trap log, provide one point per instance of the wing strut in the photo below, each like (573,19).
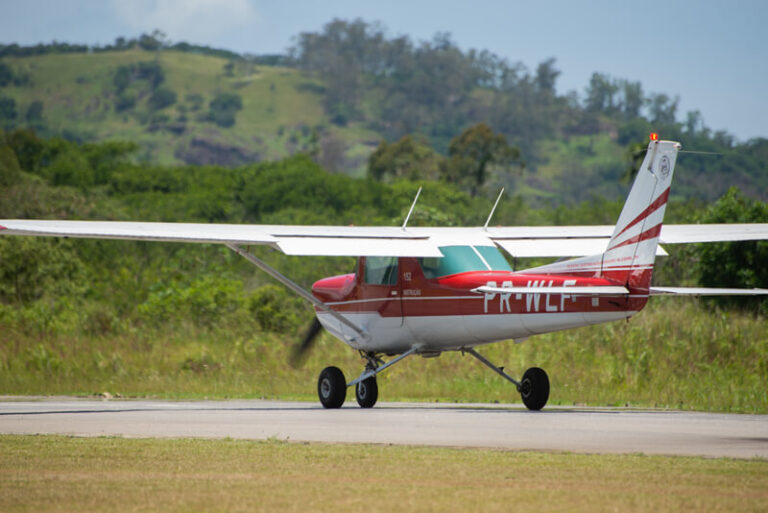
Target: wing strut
(298,290)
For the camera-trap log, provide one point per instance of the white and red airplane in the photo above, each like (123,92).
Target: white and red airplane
(428,290)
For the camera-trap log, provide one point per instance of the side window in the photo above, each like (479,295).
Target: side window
(381,270)
(430,267)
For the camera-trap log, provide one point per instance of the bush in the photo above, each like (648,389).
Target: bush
(223,108)
(205,302)
(161,98)
(125,101)
(276,309)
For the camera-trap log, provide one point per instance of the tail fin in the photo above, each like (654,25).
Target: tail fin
(632,250)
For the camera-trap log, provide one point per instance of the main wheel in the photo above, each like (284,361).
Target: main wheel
(367,391)
(332,387)
(534,388)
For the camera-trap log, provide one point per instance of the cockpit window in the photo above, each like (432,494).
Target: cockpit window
(493,256)
(461,259)
(381,270)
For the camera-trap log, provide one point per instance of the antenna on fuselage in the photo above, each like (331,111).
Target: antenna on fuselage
(485,226)
(411,210)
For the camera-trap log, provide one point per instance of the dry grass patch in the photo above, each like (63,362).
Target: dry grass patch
(49,473)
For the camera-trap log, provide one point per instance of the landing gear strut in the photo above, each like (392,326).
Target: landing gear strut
(533,388)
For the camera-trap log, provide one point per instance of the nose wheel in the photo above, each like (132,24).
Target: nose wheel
(367,391)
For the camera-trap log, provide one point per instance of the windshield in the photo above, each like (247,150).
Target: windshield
(461,259)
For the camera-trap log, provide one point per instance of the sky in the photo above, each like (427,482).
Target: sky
(712,54)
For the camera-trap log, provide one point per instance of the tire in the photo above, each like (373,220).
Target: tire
(331,387)
(367,392)
(534,388)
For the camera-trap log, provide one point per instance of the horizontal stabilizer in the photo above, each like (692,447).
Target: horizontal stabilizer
(703,291)
(579,291)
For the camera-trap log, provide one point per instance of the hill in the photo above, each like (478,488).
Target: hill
(348,87)
(281,111)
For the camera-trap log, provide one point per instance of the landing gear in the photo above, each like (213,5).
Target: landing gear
(534,388)
(332,387)
(367,391)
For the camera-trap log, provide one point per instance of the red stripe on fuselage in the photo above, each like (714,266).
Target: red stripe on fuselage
(657,204)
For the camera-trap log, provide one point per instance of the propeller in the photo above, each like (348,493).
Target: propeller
(300,350)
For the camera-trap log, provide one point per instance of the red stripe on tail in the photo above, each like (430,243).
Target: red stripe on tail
(657,204)
(647,234)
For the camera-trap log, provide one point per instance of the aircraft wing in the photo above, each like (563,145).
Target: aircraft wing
(687,233)
(704,291)
(291,240)
(573,241)
(523,241)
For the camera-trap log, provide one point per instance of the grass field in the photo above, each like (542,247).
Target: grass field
(48,473)
(677,353)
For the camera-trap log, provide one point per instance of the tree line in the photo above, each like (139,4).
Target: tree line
(136,283)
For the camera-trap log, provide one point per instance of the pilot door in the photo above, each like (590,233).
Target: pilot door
(379,291)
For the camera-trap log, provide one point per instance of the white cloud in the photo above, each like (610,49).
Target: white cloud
(195,21)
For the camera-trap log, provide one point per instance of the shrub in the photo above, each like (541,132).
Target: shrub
(223,108)
(161,98)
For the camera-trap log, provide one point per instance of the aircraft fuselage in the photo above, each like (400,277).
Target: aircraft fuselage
(444,313)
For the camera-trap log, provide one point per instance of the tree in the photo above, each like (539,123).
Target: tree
(734,264)
(406,158)
(161,98)
(6,74)
(600,94)
(546,76)
(7,111)
(632,99)
(28,148)
(694,123)
(472,152)
(10,171)
(662,108)
(223,108)
(153,41)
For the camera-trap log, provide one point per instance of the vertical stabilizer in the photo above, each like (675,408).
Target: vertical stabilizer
(631,252)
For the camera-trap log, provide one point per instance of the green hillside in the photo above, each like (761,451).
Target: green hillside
(348,87)
(281,110)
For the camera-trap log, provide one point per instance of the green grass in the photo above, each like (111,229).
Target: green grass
(675,354)
(49,473)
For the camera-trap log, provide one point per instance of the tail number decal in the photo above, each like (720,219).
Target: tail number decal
(532,300)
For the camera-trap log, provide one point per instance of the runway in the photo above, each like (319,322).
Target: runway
(588,430)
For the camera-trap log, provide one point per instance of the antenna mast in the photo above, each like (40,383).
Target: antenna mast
(411,210)
(485,226)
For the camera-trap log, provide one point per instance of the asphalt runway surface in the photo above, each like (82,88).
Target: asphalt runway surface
(587,430)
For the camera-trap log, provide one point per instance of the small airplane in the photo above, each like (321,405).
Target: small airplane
(429,290)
